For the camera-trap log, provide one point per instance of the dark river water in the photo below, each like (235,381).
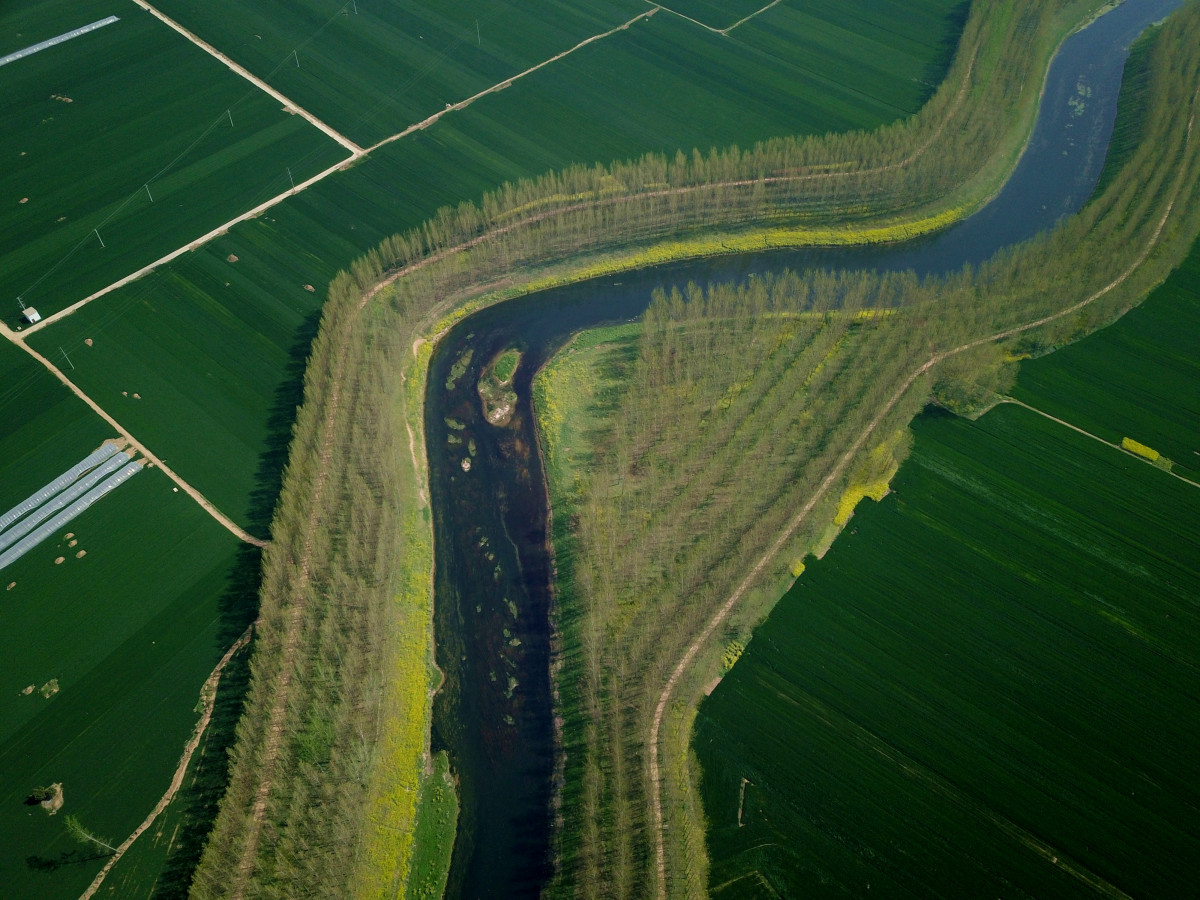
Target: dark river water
(493,584)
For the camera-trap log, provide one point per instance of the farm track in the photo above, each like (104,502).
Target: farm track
(192,492)
(1096,437)
(208,697)
(253,79)
(836,473)
(721,31)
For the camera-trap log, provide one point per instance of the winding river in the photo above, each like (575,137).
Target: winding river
(493,584)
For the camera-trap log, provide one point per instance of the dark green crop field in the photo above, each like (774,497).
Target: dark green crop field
(215,348)
(1138,378)
(87,124)
(881,57)
(201,361)
(858,53)
(370,69)
(130,631)
(987,688)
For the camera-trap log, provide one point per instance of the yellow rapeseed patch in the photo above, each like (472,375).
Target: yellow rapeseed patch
(1140,449)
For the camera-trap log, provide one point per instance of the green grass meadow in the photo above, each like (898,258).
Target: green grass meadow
(146,107)
(433,841)
(1138,378)
(130,631)
(580,384)
(986,688)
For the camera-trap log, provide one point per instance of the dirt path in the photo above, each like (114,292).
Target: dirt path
(838,470)
(757,12)
(684,17)
(1095,437)
(508,82)
(722,31)
(141,448)
(253,79)
(208,697)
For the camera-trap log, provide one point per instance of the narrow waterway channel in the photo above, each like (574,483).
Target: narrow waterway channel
(493,613)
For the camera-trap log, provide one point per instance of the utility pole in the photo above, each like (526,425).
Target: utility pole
(148,194)
(291,179)
(67,358)
(478,39)
(96,231)
(230,114)
(296,57)
(355,4)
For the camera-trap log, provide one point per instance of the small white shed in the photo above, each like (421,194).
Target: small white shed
(31,315)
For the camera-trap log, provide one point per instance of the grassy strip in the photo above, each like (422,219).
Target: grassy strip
(340,803)
(437,817)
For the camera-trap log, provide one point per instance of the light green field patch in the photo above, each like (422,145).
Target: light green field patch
(433,842)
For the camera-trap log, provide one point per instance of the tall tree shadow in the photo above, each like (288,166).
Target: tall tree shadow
(288,397)
(939,64)
(66,858)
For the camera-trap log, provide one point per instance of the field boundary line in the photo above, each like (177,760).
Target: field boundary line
(1095,437)
(507,82)
(208,696)
(141,448)
(658,6)
(838,470)
(757,12)
(724,32)
(19,336)
(289,105)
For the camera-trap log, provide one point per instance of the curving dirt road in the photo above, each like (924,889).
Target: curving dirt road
(208,697)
